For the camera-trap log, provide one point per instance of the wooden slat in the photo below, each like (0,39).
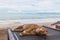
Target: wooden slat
(11,36)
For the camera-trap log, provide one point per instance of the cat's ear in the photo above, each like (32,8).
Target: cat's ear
(19,27)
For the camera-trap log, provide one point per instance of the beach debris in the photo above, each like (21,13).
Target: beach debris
(57,24)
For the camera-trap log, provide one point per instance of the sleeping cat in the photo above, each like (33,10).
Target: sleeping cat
(31,29)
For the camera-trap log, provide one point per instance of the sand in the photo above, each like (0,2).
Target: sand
(5,24)
(12,26)
(3,35)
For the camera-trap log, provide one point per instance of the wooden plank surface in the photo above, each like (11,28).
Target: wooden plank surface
(3,35)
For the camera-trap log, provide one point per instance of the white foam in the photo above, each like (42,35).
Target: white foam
(25,21)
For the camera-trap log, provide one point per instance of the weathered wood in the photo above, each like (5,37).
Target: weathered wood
(11,37)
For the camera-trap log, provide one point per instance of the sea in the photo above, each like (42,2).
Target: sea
(6,18)
(17,16)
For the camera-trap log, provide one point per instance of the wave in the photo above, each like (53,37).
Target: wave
(25,21)
(17,16)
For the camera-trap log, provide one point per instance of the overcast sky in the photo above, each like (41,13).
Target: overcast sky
(21,6)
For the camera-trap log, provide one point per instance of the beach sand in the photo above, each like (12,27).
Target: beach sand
(12,26)
(3,35)
(4,24)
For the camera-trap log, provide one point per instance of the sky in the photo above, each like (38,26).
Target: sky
(29,6)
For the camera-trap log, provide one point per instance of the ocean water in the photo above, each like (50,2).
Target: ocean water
(17,16)
(13,18)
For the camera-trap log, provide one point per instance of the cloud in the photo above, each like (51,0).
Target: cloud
(31,5)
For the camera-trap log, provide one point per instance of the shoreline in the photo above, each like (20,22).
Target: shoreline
(4,24)
(30,20)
